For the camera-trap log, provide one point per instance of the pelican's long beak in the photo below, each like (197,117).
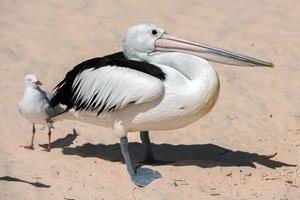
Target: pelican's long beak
(167,43)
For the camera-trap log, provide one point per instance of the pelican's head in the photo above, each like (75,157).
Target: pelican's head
(140,39)
(31,80)
(145,40)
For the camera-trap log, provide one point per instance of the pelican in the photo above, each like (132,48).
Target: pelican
(158,82)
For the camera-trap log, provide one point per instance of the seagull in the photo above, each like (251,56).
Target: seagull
(158,82)
(34,106)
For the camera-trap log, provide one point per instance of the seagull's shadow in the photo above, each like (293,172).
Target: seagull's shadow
(62,142)
(13,179)
(201,155)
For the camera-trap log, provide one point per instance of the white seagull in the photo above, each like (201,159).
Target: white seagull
(158,82)
(34,106)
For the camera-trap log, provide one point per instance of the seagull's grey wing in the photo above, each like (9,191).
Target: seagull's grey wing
(46,95)
(51,111)
(49,95)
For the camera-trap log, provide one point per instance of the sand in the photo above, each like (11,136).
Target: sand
(217,157)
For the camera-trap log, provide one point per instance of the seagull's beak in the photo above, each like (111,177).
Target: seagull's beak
(38,82)
(167,43)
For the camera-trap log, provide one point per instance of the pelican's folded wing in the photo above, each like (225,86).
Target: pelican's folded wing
(108,84)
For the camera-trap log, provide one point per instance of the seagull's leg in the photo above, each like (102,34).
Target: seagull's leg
(32,138)
(49,139)
(149,159)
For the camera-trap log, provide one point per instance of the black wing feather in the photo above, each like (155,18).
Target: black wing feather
(64,91)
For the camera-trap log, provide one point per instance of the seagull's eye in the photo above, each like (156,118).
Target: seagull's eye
(154,32)
(30,80)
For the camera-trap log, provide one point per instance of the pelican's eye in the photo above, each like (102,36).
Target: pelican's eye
(154,32)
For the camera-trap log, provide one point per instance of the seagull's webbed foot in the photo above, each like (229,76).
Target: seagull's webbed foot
(47,150)
(28,147)
(141,176)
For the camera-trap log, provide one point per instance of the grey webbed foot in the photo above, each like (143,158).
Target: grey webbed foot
(144,176)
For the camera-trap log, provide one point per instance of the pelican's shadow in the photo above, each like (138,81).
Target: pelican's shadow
(201,155)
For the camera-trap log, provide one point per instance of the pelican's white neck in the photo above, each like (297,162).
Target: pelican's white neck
(203,79)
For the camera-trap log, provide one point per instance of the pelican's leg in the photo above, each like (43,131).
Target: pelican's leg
(32,138)
(144,135)
(142,176)
(149,159)
(126,155)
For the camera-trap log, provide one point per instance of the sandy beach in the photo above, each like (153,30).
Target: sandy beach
(218,157)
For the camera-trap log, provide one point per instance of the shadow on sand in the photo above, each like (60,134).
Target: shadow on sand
(201,155)
(62,142)
(36,184)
